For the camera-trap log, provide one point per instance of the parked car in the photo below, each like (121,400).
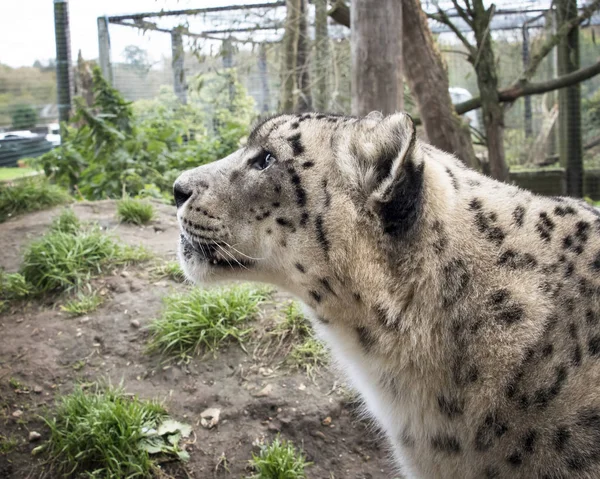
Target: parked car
(17,134)
(53,135)
(15,145)
(460,95)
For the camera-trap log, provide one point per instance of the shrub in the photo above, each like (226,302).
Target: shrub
(279,460)
(105,433)
(23,117)
(137,212)
(27,195)
(114,146)
(203,320)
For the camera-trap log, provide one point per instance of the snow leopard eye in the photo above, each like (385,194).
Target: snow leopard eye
(262,161)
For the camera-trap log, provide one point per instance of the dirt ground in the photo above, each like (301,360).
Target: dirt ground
(47,351)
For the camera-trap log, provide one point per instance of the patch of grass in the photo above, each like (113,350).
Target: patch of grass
(106,433)
(66,222)
(202,320)
(27,195)
(294,322)
(137,212)
(68,256)
(15,383)
(279,460)
(168,269)
(309,355)
(8,173)
(82,303)
(8,444)
(13,286)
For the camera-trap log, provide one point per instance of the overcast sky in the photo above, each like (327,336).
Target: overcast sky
(27,27)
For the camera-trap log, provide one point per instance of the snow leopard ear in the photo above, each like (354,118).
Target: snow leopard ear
(392,175)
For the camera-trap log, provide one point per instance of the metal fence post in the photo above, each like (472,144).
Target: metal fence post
(104,49)
(64,73)
(178,65)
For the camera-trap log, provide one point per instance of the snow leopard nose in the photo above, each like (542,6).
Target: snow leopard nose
(181,194)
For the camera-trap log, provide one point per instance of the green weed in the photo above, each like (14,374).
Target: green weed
(8,444)
(67,257)
(66,222)
(13,286)
(168,269)
(27,195)
(106,433)
(82,303)
(137,212)
(309,355)
(204,319)
(279,460)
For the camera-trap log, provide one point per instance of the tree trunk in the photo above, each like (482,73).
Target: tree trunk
(302,61)
(264,79)
(569,117)
(322,56)
(426,74)
(376,50)
(290,49)
(487,80)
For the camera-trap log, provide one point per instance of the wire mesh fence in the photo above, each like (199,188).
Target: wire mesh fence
(197,57)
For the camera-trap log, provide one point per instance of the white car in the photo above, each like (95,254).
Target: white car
(53,135)
(460,95)
(17,134)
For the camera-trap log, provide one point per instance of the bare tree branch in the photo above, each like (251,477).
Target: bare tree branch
(441,16)
(513,92)
(554,40)
(461,12)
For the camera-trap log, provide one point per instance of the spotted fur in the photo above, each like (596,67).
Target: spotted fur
(466,312)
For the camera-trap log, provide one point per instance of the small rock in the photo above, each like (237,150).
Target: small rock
(18,413)
(209,418)
(85,319)
(318,434)
(34,436)
(159,228)
(302,387)
(37,389)
(124,274)
(135,323)
(326,421)
(136,286)
(264,392)
(265,371)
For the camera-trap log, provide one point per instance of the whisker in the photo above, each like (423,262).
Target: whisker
(240,253)
(231,256)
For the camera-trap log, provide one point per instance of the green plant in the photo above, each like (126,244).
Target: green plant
(309,355)
(279,460)
(8,444)
(203,320)
(15,383)
(66,222)
(106,433)
(82,303)
(65,260)
(142,148)
(168,269)
(133,211)
(23,117)
(13,286)
(29,194)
